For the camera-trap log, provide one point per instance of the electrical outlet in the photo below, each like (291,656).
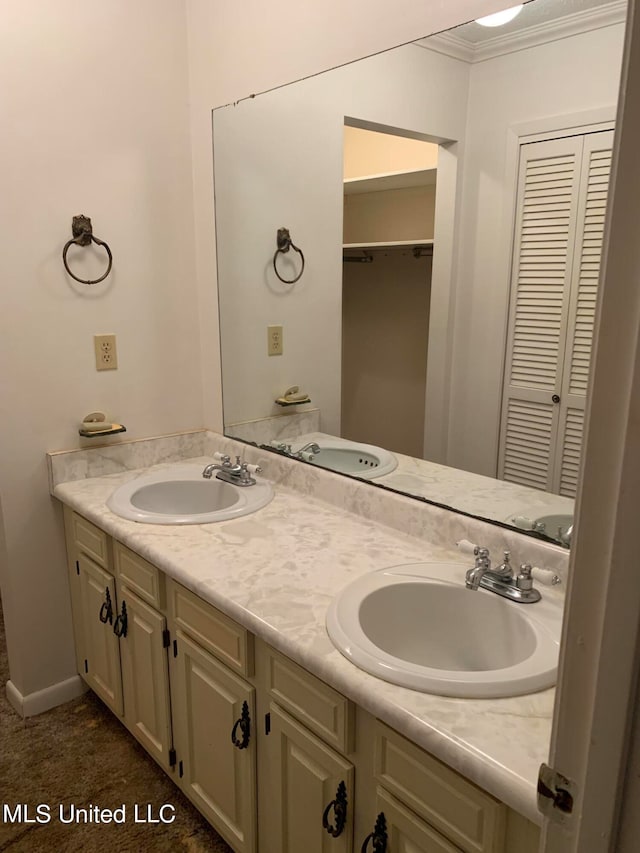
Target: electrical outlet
(274,340)
(106,354)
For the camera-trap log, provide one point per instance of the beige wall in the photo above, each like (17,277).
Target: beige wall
(95,121)
(268,187)
(536,89)
(378,217)
(368,152)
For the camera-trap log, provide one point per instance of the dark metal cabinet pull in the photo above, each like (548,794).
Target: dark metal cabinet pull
(378,837)
(339,806)
(120,625)
(106,611)
(244,724)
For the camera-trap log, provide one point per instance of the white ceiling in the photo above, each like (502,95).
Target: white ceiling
(534,13)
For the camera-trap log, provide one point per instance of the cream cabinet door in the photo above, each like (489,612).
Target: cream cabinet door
(214,737)
(100,645)
(312,790)
(145,675)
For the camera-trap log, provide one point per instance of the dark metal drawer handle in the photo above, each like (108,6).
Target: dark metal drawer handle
(378,837)
(120,625)
(244,724)
(106,611)
(339,806)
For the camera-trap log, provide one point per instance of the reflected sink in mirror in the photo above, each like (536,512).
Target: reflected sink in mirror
(180,495)
(346,457)
(558,526)
(418,626)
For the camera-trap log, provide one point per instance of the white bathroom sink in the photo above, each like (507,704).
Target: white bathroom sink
(179,494)
(418,626)
(349,457)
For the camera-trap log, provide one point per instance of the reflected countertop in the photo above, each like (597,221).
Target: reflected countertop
(475,494)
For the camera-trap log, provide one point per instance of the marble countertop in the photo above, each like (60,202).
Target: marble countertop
(276,571)
(461,490)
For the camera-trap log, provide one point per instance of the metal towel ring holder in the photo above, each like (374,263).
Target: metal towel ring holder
(284,243)
(82,236)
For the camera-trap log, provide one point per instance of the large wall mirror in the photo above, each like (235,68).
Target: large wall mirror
(425,321)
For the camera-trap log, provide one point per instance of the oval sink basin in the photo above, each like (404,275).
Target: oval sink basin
(418,626)
(360,460)
(181,495)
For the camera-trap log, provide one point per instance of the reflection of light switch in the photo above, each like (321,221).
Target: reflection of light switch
(274,340)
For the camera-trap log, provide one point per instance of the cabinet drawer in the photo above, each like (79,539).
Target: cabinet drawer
(90,539)
(139,575)
(465,814)
(405,831)
(212,629)
(319,707)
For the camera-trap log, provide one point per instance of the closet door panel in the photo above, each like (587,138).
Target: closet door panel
(571,430)
(529,434)
(548,192)
(592,204)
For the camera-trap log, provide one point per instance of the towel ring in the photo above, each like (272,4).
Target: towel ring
(82,236)
(284,243)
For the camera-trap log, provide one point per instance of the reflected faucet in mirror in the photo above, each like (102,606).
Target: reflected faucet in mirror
(472,168)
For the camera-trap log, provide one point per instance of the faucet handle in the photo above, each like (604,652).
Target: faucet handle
(483,558)
(245,473)
(481,554)
(467,547)
(545,576)
(524,580)
(254,469)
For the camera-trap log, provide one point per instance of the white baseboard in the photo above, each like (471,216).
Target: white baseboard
(44,700)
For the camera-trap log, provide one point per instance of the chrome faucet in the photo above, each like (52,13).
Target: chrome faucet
(311,449)
(501,579)
(481,567)
(306,453)
(282,447)
(238,472)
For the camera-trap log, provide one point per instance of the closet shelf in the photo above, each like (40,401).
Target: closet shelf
(387,244)
(390,181)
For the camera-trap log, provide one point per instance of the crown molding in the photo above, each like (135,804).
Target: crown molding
(450,44)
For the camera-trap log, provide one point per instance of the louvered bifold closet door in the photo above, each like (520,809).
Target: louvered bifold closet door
(592,203)
(548,192)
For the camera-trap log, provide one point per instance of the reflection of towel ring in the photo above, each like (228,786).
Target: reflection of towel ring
(82,236)
(284,243)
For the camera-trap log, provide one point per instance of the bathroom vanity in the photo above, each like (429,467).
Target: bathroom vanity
(209,643)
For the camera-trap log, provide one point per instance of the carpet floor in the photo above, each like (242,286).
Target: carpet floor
(77,756)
